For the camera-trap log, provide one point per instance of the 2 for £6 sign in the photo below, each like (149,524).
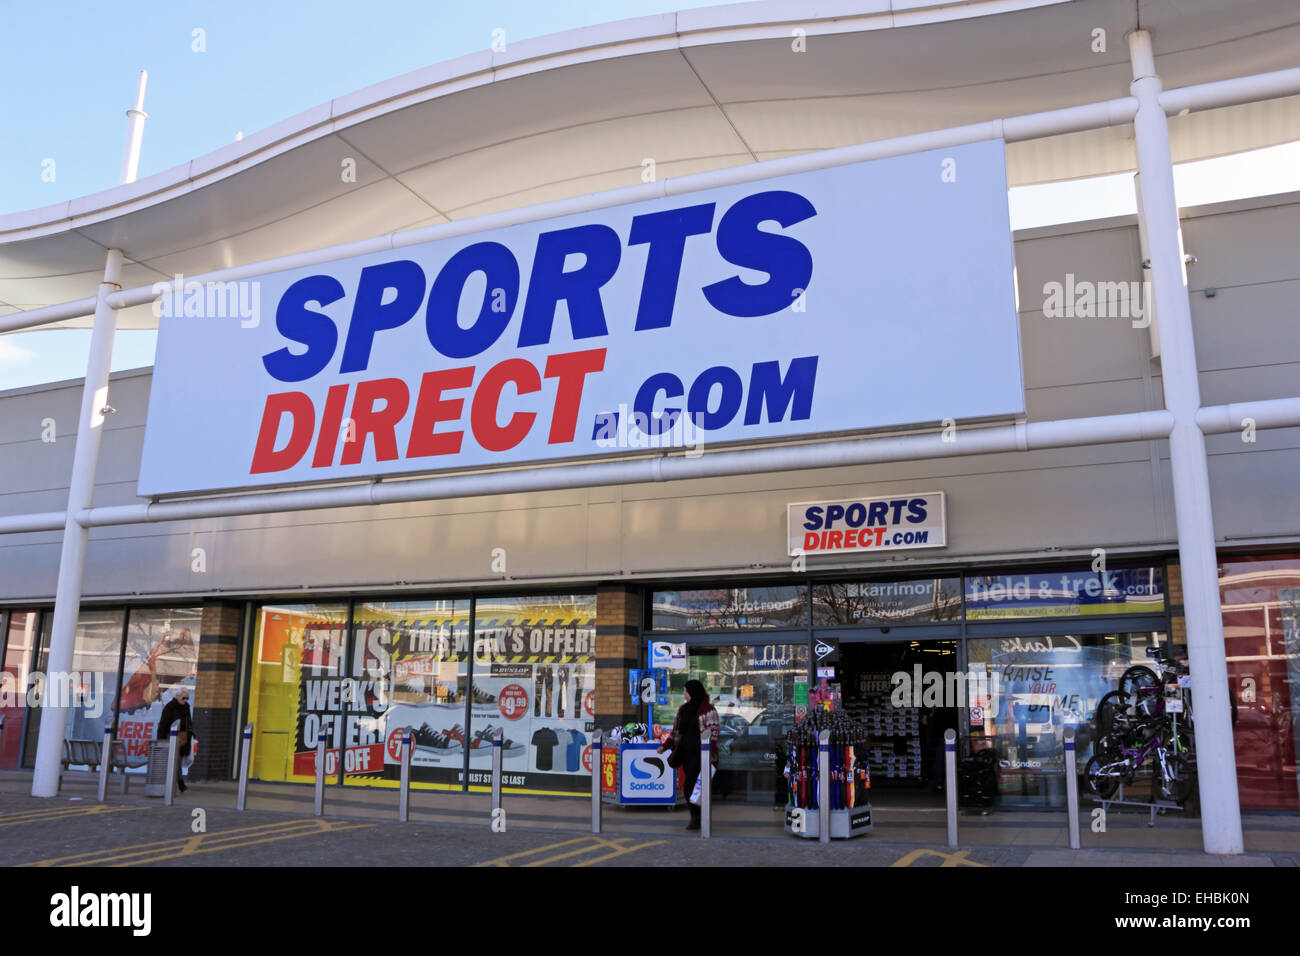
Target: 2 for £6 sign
(845,299)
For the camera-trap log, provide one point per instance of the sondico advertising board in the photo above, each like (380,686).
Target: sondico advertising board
(645,775)
(839,300)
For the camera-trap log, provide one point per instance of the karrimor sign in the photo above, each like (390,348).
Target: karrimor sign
(840,300)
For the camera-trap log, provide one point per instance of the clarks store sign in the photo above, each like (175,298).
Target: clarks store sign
(839,300)
(890,523)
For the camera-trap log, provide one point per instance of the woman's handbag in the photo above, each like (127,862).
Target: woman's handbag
(678,755)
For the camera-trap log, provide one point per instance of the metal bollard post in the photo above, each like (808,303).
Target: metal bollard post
(404,789)
(706,786)
(170,792)
(1071,788)
(241,803)
(950,782)
(497,741)
(105,757)
(824,786)
(597,768)
(319,809)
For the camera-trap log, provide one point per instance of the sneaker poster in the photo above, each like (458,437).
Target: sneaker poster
(534,676)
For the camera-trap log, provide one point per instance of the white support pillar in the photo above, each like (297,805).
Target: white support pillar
(81,489)
(72,559)
(1215,758)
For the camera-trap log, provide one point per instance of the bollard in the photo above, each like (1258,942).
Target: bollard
(824,786)
(241,802)
(105,760)
(597,768)
(404,789)
(170,791)
(319,809)
(706,785)
(950,782)
(497,740)
(1071,788)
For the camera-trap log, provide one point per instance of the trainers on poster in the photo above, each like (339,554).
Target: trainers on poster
(426,738)
(483,741)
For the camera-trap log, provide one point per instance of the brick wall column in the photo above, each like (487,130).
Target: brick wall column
(1174,595)
(618,618)
(214,689)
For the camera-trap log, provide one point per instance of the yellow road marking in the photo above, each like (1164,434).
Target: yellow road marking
(199,843)
(610,856)
(596,843)
(949,859)
(579,845)
(57,813)
(505,860)
(192,845)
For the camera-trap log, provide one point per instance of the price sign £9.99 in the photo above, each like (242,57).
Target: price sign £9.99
(513,701)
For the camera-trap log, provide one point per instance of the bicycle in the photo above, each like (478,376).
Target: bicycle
(1139,720)
(1141,689)
(1117,757)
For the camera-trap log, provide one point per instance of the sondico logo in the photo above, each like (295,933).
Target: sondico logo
(1020,764)
(637,770)
(75,909)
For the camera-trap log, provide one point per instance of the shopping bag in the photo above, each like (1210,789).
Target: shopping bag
(695,794)
(189,757)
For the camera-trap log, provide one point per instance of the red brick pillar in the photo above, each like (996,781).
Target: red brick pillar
(618,650)
(214,690)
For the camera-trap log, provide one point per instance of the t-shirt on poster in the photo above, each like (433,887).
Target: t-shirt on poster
(544,744)
(563,736)
(573,755)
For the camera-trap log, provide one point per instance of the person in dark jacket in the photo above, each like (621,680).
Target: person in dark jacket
(178,708)
(694,718)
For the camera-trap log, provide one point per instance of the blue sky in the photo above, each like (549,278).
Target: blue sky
(70,71)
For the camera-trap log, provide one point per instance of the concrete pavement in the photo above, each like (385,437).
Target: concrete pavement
(451,829)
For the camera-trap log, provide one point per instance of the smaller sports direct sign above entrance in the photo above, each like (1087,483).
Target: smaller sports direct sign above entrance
(890,523)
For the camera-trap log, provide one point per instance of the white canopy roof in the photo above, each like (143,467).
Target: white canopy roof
(581,111)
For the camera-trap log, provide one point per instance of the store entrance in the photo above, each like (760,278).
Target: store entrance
(899,691)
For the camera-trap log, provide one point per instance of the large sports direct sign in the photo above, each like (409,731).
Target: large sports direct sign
(842,300)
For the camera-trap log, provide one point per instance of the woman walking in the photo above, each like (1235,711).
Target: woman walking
(178,708)
(695,718)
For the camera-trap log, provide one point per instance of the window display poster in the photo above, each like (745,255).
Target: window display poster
(295,644)
(1039,686)
(410,668)
(537,682)
(162,652)
(533,674)
(91,689)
